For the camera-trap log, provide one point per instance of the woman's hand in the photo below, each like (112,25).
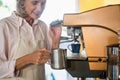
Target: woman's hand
(40,56)
(56,31)
(37,57)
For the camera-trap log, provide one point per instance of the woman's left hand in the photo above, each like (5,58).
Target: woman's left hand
(56,34)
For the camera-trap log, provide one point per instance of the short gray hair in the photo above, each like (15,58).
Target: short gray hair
(21,8)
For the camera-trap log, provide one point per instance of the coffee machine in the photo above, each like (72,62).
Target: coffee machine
(100,32)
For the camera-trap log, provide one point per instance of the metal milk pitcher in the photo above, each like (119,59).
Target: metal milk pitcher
(58,58)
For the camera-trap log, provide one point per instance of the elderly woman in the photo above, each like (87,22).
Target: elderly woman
(25,42)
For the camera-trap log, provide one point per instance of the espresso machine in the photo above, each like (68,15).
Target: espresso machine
(100,33)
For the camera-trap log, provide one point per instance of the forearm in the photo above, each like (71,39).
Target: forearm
(55,40)
(55,44)
(22,62)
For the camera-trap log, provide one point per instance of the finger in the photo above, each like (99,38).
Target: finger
(44,58)
(41,49)
(43,61)
(47,55)
(45,52)
(36,62)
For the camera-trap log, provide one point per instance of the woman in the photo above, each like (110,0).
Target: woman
(25,42)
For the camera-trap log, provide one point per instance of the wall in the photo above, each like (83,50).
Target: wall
(91,4)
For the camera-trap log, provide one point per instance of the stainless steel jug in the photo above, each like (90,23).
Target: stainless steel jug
(58,58)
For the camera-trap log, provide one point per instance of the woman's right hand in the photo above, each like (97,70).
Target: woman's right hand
(37,57)
(40,56)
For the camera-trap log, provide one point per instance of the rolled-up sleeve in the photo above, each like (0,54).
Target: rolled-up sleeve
(7,69)
(6,66)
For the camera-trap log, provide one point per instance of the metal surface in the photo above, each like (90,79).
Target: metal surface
(58,58)
(113,62)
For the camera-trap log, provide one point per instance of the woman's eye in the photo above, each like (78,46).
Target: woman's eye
(34,2)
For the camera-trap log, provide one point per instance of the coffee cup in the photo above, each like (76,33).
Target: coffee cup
(74,48)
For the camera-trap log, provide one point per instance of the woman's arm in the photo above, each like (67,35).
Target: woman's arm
(37,57)
(6,66)
(55,32)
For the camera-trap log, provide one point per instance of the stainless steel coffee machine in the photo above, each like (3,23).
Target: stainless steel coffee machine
(113,62)
(99,28)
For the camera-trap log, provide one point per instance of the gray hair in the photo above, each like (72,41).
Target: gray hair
(21,8)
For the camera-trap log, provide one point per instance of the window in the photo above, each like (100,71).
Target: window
(6,7)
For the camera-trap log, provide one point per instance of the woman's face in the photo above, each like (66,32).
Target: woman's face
(34,8)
